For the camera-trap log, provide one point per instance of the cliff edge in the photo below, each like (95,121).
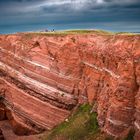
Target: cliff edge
(44,77)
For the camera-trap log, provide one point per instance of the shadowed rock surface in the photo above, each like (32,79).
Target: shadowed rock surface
(43,78)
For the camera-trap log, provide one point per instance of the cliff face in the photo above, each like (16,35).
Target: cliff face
(42,79)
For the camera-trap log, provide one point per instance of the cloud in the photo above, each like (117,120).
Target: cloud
(81,5)
(49,7)
(69,12)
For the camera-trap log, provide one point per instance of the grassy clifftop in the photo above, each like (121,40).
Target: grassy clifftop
(68,32)
(77,32)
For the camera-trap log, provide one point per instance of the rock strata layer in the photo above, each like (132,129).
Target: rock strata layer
(42,78)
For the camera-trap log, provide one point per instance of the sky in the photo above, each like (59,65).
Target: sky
(36,15)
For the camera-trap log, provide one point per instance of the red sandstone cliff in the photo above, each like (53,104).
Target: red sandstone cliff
(42,78)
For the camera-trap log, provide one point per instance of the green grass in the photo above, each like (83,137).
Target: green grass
(130,135)
(126,33)
(81,125)
(73,32)
(78,127)
(67,32)
(88,31)
(31,34)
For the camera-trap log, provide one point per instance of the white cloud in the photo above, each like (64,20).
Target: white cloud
(76,4)
(70,4)
(27,6)
(100,1)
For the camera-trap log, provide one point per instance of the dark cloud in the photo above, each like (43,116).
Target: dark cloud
(20,15)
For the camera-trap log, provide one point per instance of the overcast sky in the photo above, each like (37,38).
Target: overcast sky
(29,15)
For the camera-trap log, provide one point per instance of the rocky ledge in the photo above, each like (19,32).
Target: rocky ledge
(43,78)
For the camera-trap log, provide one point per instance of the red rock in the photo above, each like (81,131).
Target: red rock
(1,135)
(45,77)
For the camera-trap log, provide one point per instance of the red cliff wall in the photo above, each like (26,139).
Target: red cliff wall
(42,78)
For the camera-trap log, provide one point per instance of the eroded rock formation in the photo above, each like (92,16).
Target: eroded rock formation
(42,78)
(1,135)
